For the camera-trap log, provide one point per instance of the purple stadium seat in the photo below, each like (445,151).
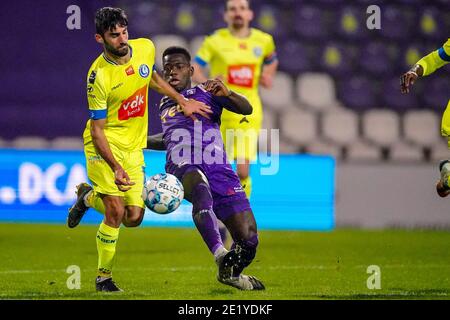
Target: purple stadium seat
(435,94)
(293,57)
(337,59)
(367,3)
(412,52)
(290,3)
(431,24)
(375,59)
(411,2)
(350,23)
(270,19)
(147,18)
(330,2)
(217,17)
(444,5)
(392,98)
(395,16)
(309,22)
(357,93)
(190,19)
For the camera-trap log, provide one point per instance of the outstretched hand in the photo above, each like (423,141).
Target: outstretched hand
(407,80)
(217,87)
(192,106)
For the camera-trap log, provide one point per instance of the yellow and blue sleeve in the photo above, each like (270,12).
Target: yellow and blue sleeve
(97,96)
(435,59)
(270,53)
(205,53)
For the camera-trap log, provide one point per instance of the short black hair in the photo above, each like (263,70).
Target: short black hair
(177,50)
(108,18)
(226,3)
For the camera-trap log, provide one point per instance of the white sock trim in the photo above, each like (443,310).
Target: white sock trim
(220,251)
(86,203)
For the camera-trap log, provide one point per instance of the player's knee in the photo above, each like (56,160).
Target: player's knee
(132,222)
(133,218)
(191,179)
(201,196)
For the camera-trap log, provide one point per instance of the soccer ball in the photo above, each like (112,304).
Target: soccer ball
(163,193)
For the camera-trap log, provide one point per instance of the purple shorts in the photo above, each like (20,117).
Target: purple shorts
(228,195)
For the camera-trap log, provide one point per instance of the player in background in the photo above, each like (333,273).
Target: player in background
(424,67)
(209,181)
(116,133)
(242,57)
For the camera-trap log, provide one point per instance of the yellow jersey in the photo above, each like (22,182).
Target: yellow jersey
(239,62)
(431,63)
(119,94)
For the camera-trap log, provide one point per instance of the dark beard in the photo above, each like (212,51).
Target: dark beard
(116,52)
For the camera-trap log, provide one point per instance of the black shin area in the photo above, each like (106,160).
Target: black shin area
(242,255)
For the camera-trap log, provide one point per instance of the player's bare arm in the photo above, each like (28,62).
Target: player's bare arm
(199,73)
(410,77)
(101,144)
(189,106)
(239,104)
(268,73)
(156,142)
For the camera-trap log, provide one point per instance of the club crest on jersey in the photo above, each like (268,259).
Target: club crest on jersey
(190,92)
(144,70)
(257,51)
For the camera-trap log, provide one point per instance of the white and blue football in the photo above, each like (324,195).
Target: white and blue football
(163,193)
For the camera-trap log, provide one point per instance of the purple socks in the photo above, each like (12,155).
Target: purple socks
(204,218)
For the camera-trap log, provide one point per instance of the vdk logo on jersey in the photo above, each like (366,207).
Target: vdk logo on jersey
(241,75)
(135,105)
(144,71)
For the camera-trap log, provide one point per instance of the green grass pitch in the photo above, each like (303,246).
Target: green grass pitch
(174,263)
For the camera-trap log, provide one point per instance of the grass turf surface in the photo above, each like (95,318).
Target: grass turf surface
(174,263)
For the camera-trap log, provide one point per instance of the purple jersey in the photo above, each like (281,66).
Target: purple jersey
(192,142)
(199,144)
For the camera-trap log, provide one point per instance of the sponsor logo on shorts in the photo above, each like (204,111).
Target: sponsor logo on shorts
(241,75)
(96,158)
(144,70)
(89,89)
(135,105)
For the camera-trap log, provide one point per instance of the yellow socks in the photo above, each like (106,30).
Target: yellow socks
(247,185)
(106,247)
(94,200)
